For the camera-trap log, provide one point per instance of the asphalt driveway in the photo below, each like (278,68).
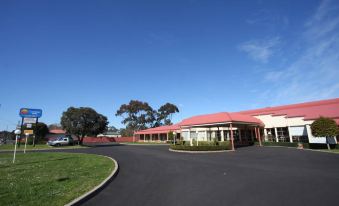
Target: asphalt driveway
(151,175)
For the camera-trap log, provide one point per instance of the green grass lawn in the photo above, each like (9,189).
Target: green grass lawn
(37,146)
(332,150)
(50,178)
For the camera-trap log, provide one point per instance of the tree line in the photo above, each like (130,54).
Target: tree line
(137,115)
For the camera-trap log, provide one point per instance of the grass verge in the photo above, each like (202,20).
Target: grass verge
(37,147)
(50,178)
(330,151)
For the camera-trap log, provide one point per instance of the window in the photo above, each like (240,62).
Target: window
(218,135)
(271,134)
(236,135)
(303,139)
(283,135)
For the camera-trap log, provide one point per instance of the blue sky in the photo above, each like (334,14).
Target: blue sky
(204,56)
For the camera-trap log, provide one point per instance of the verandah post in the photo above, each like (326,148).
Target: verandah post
(232,140)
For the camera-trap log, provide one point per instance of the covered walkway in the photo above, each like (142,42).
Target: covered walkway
(158,133)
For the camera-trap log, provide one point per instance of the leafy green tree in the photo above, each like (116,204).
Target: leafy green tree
(137,115)
(83,121)
(112,129)
(170,136)
(126,132)
(324,127)
(41,131)
(6,135)
(165,112)
(54,126)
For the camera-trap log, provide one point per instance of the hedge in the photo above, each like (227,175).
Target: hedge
(200,148)
(295,144)
(203,143)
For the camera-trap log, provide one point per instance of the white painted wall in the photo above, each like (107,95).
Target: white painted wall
(297,126)
(185,136)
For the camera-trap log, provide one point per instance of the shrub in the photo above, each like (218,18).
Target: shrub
(225,143)
(200,148)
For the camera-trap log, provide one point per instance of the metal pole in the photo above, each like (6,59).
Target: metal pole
(16,141)
(22,123)
(35,131)
(25,143)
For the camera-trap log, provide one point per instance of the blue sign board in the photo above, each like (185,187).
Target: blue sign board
(31,113)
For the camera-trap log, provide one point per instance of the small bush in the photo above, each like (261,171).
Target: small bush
(200,148)
(224,143)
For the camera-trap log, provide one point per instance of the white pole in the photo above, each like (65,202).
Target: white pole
(25,143)
(16,142)
(174,136)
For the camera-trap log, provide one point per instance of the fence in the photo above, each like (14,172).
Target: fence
(108,139)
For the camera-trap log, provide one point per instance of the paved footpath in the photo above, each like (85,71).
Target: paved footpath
(151,175)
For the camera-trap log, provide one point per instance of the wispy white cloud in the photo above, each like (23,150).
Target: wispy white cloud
(314,73)
(260,50)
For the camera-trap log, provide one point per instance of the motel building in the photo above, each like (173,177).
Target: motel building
(289,123)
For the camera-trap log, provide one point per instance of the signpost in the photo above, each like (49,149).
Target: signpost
(29,120)
(17,133)
(28,132)
(30,116)
(30,113)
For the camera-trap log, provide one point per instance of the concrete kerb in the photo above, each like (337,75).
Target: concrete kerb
(199,152)
(98,188)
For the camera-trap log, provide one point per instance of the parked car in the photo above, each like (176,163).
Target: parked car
(60,141)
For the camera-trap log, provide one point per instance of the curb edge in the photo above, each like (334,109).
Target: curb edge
(97,188)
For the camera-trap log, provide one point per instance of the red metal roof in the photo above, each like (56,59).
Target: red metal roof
(308,110)
(221,117)
(57,131)
(161,129)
